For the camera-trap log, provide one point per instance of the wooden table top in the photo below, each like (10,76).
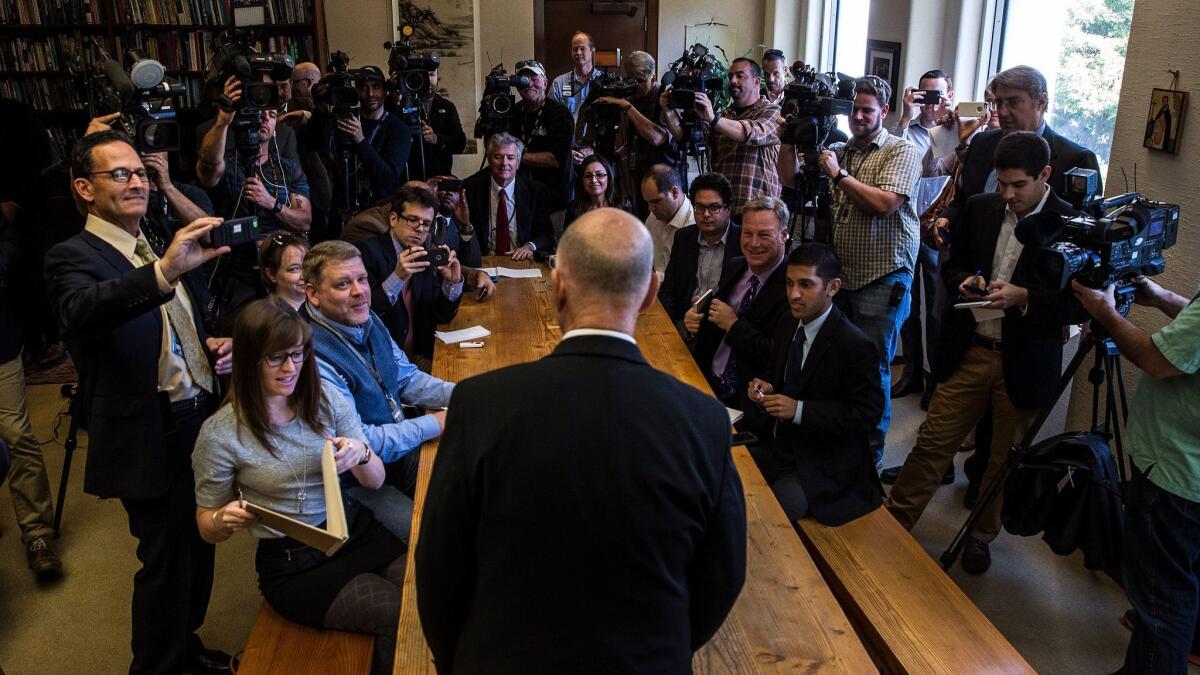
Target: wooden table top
(786,618)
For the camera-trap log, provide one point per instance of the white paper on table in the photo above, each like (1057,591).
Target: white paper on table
(511,273)
(734,415)
(472,333)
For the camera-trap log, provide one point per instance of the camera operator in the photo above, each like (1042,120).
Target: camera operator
(304,76)
(276,189)
(382,141)
(875,231)
(774,67)
(744,139)
(649,143)
(1161,541)
(1009,359)
(285,136)
(441,133)
(546,128)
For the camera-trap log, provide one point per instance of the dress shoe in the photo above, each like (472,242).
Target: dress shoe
(209,662)
(42,559)
(902,389)
(971,498)
(889,475)
(976,558)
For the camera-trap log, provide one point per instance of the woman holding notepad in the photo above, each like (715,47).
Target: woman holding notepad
(263,453)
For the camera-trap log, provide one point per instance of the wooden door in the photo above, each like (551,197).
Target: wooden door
(627,26)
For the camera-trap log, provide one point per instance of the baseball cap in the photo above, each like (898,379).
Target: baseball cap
(372,73)
(532,65)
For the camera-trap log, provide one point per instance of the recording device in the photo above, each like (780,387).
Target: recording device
(411,69)
(927,96)
(144,99)
(236,231)
(234,55)
(700,306)
(1113,241)
(811,104)
(972,108)
(337,89)
(496,106)
(438,257)
(697,71)
(450,185)
(602,121)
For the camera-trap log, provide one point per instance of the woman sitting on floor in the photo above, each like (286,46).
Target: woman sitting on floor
(264,445)
(597,188)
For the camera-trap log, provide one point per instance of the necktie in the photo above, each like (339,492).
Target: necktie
(503,241)
(181,326)
(407,298)
(795,364)
(729,375)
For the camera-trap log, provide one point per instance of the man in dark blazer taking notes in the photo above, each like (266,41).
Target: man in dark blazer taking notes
(131,315)
(566,530)
(825,398)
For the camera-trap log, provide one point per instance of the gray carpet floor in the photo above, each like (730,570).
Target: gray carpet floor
(1061,617)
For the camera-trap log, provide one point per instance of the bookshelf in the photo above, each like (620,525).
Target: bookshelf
(48,47)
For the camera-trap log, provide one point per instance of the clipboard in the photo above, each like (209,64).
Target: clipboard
(327,540)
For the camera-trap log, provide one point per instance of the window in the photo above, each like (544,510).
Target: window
(1079,46)
(849,44)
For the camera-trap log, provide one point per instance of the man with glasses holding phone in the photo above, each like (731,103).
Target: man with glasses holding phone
(875,232)
(131,314)
(416,281)
(699,251)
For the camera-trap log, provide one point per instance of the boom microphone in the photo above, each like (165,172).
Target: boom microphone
(116,75)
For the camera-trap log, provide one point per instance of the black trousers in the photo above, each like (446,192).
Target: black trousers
(171,590)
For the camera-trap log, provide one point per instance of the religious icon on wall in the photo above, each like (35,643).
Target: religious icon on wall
(1164,123)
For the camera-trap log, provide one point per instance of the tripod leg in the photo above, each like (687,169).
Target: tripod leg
(69,445)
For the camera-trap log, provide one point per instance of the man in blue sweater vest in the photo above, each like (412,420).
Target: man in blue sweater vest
(357,355)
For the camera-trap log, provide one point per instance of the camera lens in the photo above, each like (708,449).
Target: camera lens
(501,105)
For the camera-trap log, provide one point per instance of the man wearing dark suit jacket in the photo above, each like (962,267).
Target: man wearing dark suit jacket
(1009,358)
(699,252)
(825,398)
(132,317)
(733,338)
(497,196)
(614,542)
(410,295)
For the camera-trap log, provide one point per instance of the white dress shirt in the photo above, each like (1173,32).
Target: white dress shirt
(583,332)
(1004,261)
(494,201)
(663,234)
(810,334)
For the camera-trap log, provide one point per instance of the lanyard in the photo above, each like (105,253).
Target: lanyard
(371,139)
(392,405)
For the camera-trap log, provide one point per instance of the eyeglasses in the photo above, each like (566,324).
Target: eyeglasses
(122,175)
(709,208)
(598,176)
(528,63)
(296,357)
(416,222)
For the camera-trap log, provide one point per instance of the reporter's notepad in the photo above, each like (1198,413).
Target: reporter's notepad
(452,336)
(336,533)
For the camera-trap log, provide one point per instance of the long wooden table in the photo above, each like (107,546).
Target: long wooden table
(786,618)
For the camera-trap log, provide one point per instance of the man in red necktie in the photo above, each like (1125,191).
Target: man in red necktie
(509,213)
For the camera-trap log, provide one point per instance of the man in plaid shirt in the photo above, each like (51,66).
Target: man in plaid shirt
(875,227)
(744,138)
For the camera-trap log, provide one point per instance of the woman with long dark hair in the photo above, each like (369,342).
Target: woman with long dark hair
(264,446)
(597,188)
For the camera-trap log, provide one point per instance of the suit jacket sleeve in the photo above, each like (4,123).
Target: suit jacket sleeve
(451,136)
(445,555)
(85,305)
(388,164)
(444,309)
(861,404)
(673,285)
(752,344)
(960,264)
(719,568)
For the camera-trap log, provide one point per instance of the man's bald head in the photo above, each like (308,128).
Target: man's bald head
(304,76)
(607,253)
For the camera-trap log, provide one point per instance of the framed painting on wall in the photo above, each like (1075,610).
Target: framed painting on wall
(1164,122)
(883,61)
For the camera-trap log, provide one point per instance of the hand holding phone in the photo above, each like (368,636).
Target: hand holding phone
(972,108)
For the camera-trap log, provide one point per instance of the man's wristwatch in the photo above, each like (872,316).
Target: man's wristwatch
(278,206)
(842,173)
(716,118)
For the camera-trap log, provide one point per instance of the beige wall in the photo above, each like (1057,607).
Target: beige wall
(359,27)
(1161,38)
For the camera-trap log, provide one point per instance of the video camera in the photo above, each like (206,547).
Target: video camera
(144,99)
(603,120)
(1113,241)
(234,55)
(411,69)
(697,71)
(497,104)
(810,105)
(337,89)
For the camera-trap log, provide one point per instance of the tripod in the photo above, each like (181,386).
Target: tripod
(1106,371)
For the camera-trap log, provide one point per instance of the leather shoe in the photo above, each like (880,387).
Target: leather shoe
(976,558)
(889,475)
(971,498)
(209,662)
(41,558)
(902,389)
